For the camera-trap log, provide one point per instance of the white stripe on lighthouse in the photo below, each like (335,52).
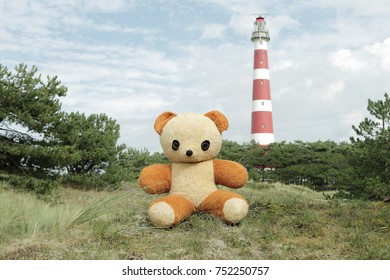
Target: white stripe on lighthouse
(263,138)
(261,73)
(260,44)
(261,105)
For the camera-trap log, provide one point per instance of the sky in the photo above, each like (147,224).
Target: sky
(134,59)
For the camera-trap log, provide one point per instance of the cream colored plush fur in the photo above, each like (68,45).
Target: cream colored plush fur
(194,181)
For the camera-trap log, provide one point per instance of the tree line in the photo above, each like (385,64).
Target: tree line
(42,146)
(352,169)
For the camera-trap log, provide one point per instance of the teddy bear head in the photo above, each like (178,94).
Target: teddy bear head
(191,137)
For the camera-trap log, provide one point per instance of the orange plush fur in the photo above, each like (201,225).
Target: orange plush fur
(192,141)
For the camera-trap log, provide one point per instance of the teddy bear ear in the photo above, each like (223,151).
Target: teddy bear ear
(219,119)
(162,120)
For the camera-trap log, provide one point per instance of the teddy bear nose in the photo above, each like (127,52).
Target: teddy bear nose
(189,153)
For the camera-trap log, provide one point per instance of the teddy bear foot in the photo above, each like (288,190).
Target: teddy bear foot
(228,206)
(234,210)
(168,211)
(161,214)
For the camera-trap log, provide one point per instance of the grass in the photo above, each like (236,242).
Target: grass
(284,222)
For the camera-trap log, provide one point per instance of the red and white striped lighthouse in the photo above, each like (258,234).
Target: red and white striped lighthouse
(262,128)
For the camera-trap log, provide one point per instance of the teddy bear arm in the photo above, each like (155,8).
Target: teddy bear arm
(156,178)
(230,174)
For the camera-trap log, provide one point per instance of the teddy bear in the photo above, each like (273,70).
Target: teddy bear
(192,142)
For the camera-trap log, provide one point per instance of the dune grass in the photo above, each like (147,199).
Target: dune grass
(284,222)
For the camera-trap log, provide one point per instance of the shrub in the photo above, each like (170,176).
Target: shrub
(42,187)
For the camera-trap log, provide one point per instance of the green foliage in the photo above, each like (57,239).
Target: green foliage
(133,161)
(37,139)
(371,157)
(125,167)
(319,165)
(93,137)
(233,150)
(29,101)
(29,112)
(42,187)
(376,189)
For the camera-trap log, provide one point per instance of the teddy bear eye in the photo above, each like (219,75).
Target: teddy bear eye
(205,145)
(175,145)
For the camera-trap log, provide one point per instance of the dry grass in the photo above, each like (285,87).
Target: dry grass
(284,222)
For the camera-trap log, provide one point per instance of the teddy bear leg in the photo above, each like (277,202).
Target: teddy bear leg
(226,205)
(170,210)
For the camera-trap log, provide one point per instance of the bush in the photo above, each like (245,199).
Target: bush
(42,187)
(374,189)
(92,181)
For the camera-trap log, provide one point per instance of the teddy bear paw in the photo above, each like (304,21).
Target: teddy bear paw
(235,209)
(161,214)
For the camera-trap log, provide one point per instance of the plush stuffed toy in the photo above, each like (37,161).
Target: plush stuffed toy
(192,142)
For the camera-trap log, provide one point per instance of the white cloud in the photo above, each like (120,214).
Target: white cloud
(382,52)
(323,69)
(358,7)
(281,22)
(347,61)
(352,118)
(240,24)
(283,64)
(42,17)
(334,90)
(238,7)
(107,7)
(366,59)
(213,31)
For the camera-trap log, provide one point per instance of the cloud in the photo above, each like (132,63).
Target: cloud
(239,23)
(355,7)
(101,5)
(347,61)
(283,64)
(42,17)
(368,59)
(334,90)
(382,53)
(326,94)
(325,61)
(281,22)
(213,31)
(352,118)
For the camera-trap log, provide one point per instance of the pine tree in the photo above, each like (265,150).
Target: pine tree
(38,140)
(94,137)
(372,151)
(29,112)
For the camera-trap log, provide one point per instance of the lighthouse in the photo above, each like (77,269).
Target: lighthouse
(262,128)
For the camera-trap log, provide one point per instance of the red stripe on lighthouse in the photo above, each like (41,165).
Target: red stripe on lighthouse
(261,89)
(262,122)
(260,59)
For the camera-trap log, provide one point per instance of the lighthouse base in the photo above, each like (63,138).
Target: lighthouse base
(263,138)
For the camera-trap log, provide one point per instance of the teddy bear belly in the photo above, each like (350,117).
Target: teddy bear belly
(194,181)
